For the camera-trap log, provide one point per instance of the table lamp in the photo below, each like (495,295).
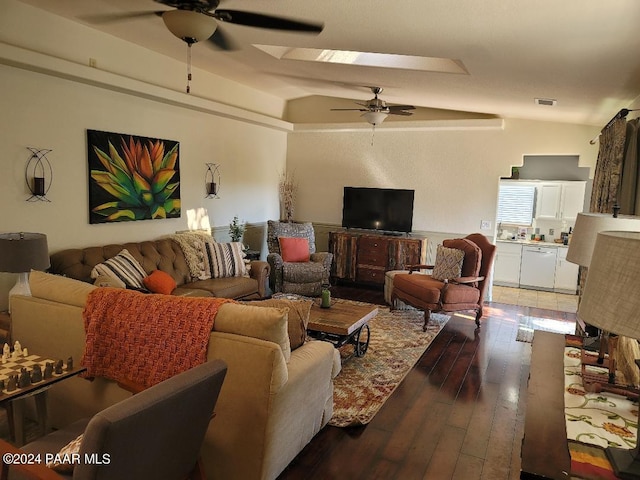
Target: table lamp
(611,301)
(20,253)
(586,230)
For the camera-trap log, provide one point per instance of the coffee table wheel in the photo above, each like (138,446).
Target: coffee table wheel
(361,342)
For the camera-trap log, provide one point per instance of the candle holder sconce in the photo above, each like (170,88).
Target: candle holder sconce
(212,180)
(38,174)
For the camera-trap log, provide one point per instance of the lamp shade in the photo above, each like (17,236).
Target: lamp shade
(611,298)
(22,252)
(188,25)
(375,118)
(587,227)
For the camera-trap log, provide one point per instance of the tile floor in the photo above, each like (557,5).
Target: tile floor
(534,298)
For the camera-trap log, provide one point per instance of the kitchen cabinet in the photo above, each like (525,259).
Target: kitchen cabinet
(559,200)
(506,265)
(566,280)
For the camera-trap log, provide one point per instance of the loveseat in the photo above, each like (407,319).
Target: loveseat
(168,256)
(273,400)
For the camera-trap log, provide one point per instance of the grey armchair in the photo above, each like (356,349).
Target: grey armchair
(302,278)
(156,433)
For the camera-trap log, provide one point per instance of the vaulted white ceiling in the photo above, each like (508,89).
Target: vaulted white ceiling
(585,54)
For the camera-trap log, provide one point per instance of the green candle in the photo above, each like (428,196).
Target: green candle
(326,298)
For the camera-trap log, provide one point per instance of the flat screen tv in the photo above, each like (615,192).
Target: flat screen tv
(385,209)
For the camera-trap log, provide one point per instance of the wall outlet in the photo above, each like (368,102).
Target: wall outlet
(551,231)
(93,63)
(485,225)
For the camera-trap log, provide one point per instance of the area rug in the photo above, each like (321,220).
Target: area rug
(365,383)
(527,325)
(589,462)
(602,419)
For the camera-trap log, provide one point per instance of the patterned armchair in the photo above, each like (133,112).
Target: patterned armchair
(300,277)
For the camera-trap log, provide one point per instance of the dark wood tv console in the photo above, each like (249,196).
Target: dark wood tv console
(364,257)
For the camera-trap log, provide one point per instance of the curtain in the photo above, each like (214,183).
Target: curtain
(606,178)
(616,178)
(628,196)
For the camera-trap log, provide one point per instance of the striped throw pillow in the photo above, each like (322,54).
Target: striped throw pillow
(123,267)
(225,259)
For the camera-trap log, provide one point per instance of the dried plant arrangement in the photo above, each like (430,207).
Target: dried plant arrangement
(288,188)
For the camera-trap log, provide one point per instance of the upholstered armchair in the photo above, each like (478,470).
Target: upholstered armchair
(458,280)
(296,267)
(157,433)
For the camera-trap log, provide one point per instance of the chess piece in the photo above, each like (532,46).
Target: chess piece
(6,350)
(36,374)
(69,364)
(25,352)
(58,367)
(2,385)
(12,383)
(25,379)
(17,348)
(48,370)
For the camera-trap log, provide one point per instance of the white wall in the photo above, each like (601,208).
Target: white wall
(48,102)
(454,166)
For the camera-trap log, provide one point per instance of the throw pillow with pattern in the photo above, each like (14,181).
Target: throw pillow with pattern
(226,259)
(448,263)
(123,267)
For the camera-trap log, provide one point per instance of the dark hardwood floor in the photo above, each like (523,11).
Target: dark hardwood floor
(459,413)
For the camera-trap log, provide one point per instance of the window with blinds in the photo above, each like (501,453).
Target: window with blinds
(516,203)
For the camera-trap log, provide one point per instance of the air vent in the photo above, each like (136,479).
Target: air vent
(548,102)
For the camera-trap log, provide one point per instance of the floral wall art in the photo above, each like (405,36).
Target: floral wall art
(132,177)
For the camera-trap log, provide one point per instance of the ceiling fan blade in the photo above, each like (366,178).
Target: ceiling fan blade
(222,40)
(394,108)
(266,21)
(350,109)
(196,5)
(117,17)
(400,112)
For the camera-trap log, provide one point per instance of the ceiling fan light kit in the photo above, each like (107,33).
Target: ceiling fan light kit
(376,109)
(375,118)
(189,26)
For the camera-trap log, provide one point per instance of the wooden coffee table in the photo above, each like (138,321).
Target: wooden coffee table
(342,323)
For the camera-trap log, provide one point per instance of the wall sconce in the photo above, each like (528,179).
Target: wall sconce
(38,174)
(212,180)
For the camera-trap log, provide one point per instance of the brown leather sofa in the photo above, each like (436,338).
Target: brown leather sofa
(166,255)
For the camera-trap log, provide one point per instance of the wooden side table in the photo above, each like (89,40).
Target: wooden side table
(252,255)
(14,399)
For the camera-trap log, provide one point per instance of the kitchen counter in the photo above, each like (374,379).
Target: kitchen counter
(535,242)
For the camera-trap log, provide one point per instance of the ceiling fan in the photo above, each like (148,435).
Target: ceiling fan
(376,109)
(194,21)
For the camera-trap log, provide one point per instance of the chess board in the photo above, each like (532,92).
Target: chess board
(13,366)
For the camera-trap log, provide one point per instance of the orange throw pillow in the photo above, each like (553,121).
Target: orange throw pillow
(294,249)
(160,282)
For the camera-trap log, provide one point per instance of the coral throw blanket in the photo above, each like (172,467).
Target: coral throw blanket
(143,339)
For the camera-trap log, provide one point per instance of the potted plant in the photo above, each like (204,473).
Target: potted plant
(236,229)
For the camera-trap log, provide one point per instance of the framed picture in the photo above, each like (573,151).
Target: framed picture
(132,178)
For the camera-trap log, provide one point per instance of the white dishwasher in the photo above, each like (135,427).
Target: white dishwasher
(538,267)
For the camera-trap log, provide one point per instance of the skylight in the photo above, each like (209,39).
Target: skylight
(367,59)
